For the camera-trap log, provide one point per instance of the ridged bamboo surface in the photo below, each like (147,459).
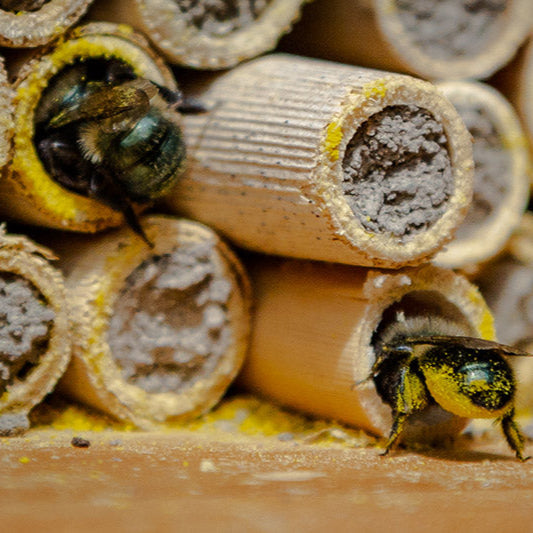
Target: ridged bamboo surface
(265,160)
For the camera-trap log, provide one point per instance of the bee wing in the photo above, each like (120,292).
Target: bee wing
(106,102)
(468,342)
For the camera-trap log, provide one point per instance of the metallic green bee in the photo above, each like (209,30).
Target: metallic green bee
(102,132)
(466,376)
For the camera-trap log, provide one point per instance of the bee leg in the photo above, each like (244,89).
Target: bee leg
(397,427)
(513,435)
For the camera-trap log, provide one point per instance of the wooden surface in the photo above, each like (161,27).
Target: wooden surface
(186,481)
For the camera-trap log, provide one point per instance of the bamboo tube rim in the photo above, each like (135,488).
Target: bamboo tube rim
(375,96)
(124,251)
(26,174)
(33,28)
(382,291)
(187,45)
(20,256)
(501,223)
(482,65)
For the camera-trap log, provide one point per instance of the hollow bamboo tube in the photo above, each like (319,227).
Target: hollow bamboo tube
(206,36)
(35,338)
(501,176)
(507,285)
(28,192)
(159,334)
(436,39)
(21,25)
(271,164)
(314,330)
(515,81)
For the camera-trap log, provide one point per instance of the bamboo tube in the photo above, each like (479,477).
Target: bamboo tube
(35,338)
(24,23)
(316,325)
(306,158)
(501,177)
(516,83)
(159,333)
(507,285)
(29,193)
(206,35)
(434,39)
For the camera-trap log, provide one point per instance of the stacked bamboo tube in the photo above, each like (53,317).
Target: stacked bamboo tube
(35,334)
(29,24)
(293,157)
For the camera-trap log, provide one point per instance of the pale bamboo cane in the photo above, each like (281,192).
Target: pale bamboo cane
(283,161)
(316,326)
(160,332)
(434,39)
(206,35)
(35,338)
(501,177)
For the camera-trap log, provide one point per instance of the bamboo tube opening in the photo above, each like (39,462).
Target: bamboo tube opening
(35,339)
(169,326)
(447,29)
(454,39)
(206,35)
(160,332)
(29,23)
(387,168)
(36,197)
(501,168)
(26,320)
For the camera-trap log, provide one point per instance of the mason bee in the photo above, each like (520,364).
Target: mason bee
(466,376)
(103,132)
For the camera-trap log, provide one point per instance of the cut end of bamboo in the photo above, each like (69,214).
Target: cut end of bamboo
(501,178)
(208,36)
(35,332)
(162,332)
(325,161)
(35,197)
(445,39)
(33,23)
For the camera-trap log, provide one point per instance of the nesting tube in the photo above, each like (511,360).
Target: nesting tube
(507,285)
(35,339)
(317,160)
(206,35)
(434,39)
(501,177)
(28,23)
(516,83)
(28,192)
(160,332)
(316,328)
